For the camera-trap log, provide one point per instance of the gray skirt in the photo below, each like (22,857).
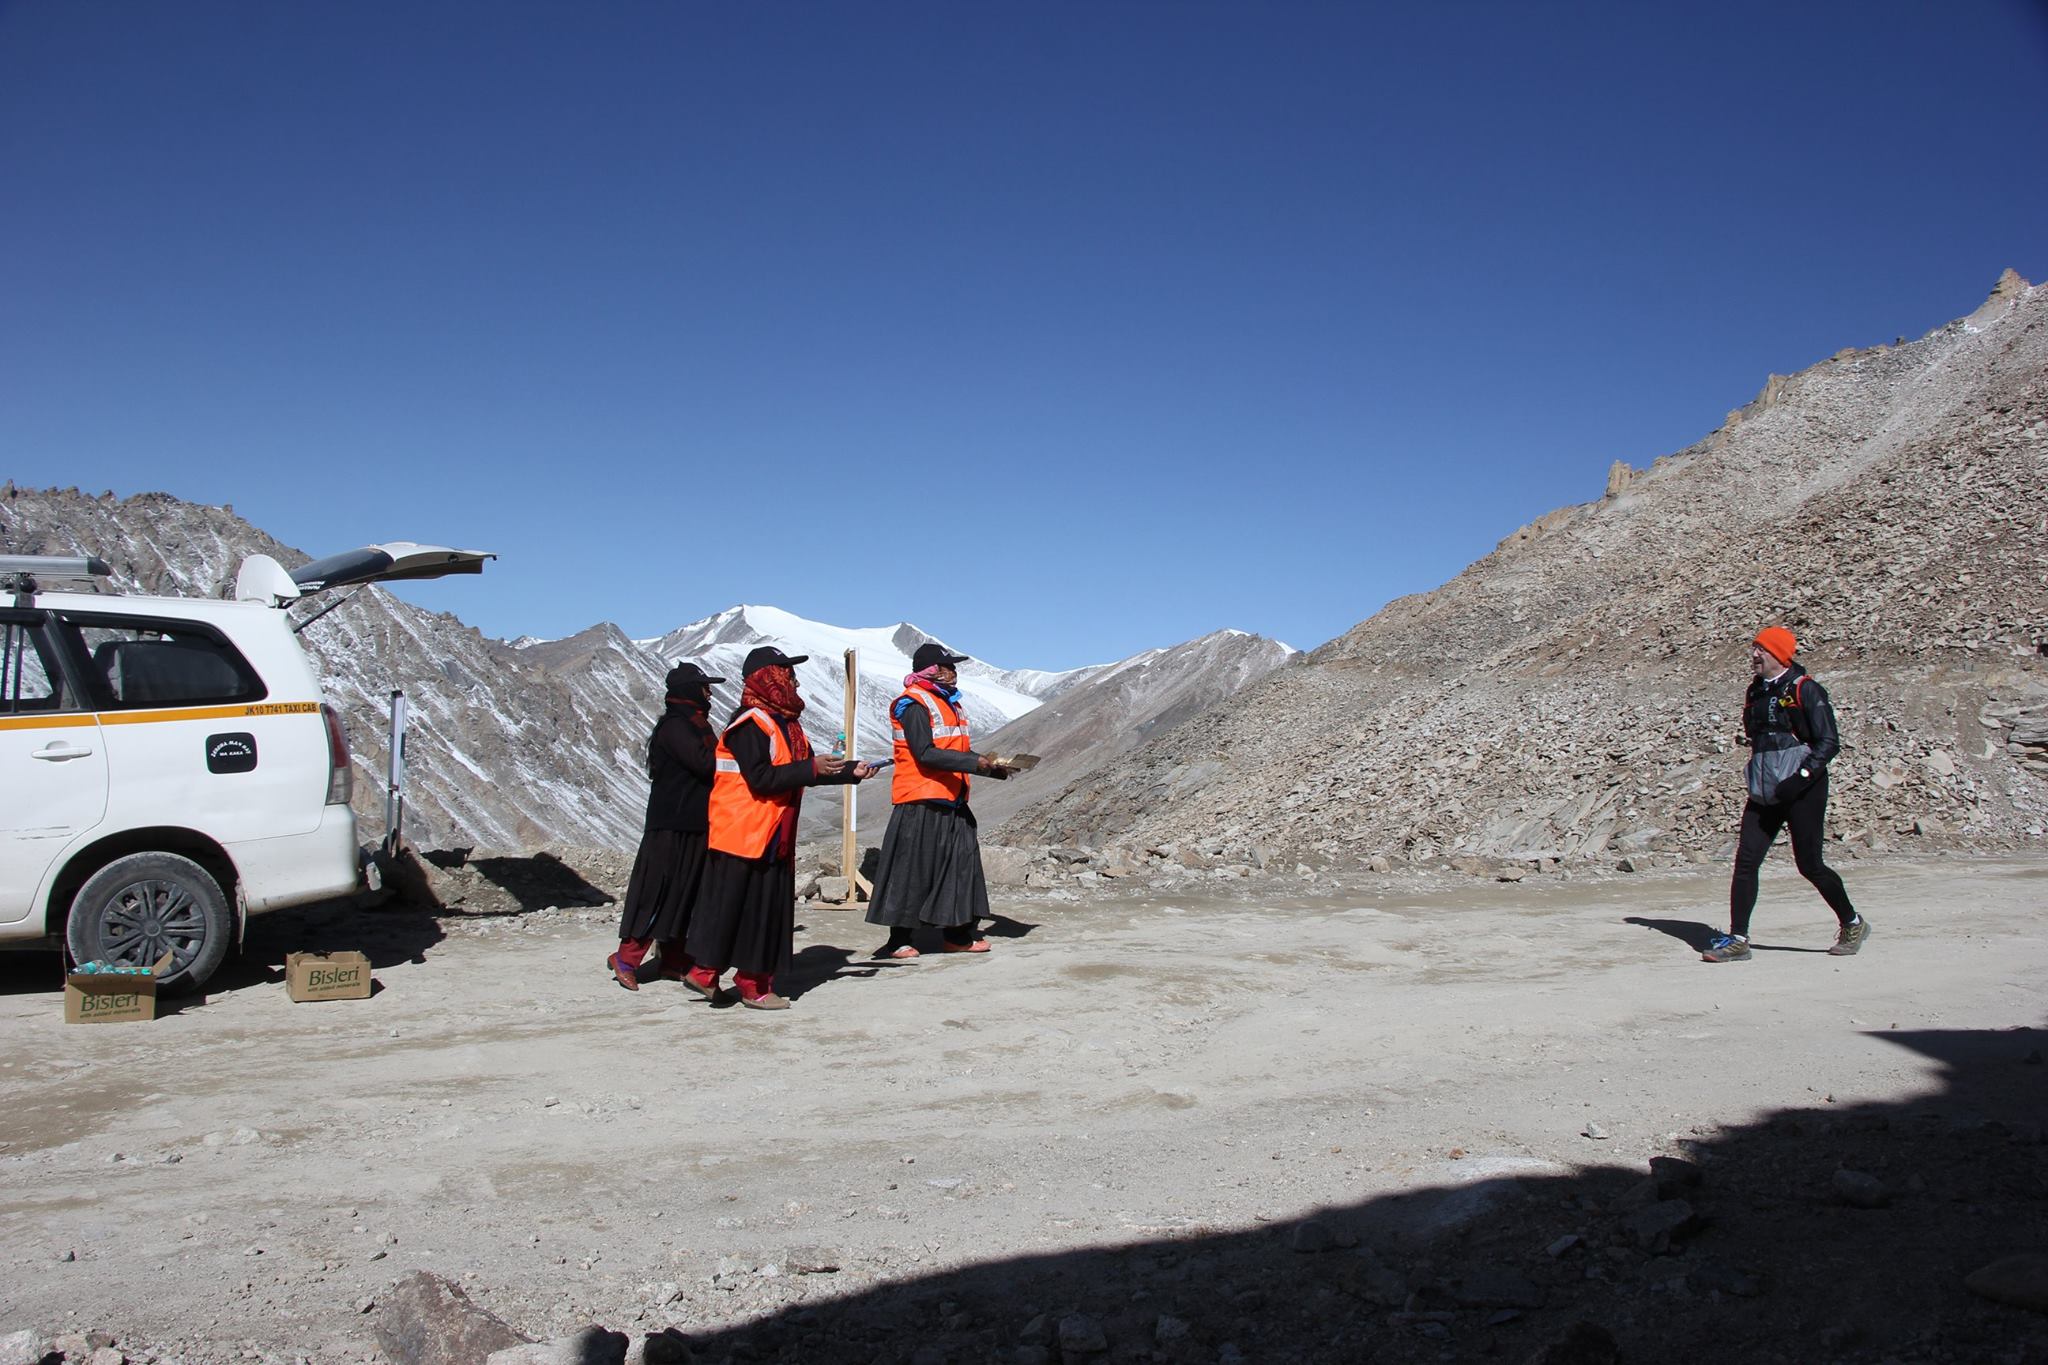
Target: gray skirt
(930,871)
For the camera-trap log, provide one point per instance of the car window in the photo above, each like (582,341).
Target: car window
(161,663)
(27,673)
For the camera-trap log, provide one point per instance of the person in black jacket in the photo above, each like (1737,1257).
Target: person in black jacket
(663,888)
(1790,727)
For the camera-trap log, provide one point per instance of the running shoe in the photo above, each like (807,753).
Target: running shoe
(1726,948)
(1850,939)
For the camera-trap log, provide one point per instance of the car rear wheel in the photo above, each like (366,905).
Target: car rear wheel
(137,908)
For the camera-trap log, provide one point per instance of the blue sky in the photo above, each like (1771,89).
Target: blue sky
(1064,330)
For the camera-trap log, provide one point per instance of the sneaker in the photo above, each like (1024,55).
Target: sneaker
(1726,948)
(1850,938)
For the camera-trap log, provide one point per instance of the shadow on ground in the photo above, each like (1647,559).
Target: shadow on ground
(453,880)
(1834,1234)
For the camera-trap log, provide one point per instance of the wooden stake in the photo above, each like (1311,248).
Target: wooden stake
(849,830)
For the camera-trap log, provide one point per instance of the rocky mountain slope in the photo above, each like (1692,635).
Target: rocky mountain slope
(505,751)
(1118,707)
(537,742)
(1576,693)
(1086,717)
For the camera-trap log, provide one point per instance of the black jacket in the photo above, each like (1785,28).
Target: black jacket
(1793,706)
(679,760)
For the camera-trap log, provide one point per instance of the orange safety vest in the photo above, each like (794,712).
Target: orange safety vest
(742,823)
(949,731)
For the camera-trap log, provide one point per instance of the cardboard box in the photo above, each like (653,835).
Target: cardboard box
(93,998)
(327,976)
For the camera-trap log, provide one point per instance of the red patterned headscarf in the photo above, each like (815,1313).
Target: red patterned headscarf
(773,689)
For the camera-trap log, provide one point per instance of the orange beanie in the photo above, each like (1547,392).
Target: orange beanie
(1778,643)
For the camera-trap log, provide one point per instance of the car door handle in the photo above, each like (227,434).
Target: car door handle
(58,752)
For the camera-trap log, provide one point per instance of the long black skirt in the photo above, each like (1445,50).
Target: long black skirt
(930,871)
(746,914)
(667,878)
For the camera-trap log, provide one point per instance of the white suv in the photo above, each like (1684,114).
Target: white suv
(168,767)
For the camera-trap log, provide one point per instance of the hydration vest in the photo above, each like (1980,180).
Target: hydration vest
(949,731)
(742,823)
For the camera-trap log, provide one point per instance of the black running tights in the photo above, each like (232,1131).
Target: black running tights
(1805,818)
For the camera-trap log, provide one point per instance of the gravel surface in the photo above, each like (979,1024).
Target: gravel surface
(1407,1120)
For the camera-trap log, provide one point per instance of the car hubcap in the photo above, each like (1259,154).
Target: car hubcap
(145,920)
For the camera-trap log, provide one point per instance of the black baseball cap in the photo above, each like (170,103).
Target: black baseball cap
(767,656)
(932,652)
(684,676)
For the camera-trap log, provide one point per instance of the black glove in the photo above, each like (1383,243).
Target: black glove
(1795,786)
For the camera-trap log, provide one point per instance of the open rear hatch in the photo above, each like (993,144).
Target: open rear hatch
(387,563)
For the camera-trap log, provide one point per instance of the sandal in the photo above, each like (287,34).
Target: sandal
(768,1000)
(979,945)
(903,954)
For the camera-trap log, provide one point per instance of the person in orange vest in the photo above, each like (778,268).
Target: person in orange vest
(930,873)
(746,912)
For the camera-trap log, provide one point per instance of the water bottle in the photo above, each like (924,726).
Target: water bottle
(839,745)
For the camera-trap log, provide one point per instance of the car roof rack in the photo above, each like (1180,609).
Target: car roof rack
(20,573)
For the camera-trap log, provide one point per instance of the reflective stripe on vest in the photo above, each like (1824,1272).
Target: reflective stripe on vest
(742,823)
(949,731)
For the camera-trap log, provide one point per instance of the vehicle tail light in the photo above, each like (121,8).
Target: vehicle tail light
(341,777)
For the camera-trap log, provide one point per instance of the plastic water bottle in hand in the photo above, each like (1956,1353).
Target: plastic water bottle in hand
(839,745)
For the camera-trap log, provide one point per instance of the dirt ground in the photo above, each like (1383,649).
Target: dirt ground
(1349,1126)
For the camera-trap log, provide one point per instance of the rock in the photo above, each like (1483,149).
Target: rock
(22,1348)
(1673,1173)
(1928,825)
(666,1348)
(1653,1228)
(1628,865)
(1511,874)
(1859,1190)
(426,1320)
(79,1346)
(1582,1343)
(1594,1131)
(1312,1237)
(593,1345)
(832,889)
(1036,1332)
(106,1355)
(1493,1287)
(1169,1329)
(1379,862)
(2021,1281)
(1562,1245)
(1081,1335)
(1004,866)
(1712,1277)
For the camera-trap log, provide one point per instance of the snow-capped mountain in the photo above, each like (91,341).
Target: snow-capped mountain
(719,644)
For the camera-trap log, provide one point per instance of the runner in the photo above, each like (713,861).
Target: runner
(1790,727)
